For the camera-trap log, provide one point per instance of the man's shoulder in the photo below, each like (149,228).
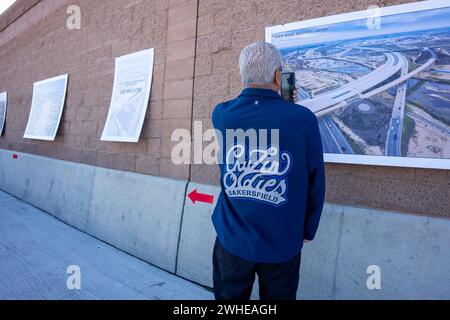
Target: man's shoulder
(220,108)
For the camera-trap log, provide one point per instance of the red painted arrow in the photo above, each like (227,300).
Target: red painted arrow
(200,197)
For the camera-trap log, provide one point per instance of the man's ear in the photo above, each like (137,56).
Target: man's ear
(277,79)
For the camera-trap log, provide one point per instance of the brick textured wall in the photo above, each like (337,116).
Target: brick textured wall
(197,43)
(224,27)
(109,28)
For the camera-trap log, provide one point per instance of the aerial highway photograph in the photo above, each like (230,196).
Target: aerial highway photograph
(376,91)
(224,159)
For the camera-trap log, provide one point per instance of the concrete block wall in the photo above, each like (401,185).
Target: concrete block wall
(151,218)
(139,214)
(225,27)
(197,43)
(37,45)
(134,197)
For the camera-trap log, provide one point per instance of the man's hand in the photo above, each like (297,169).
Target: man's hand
(306,241)
(294,96)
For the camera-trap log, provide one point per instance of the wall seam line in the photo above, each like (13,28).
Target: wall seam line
(188,181)
(193,87)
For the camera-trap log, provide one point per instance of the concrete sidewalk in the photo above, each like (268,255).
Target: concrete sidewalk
(36,250)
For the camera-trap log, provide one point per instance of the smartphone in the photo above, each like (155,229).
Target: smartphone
(288,86)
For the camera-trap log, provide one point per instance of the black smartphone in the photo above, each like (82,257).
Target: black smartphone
(288,86)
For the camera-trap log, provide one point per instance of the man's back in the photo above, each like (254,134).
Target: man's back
(268,206)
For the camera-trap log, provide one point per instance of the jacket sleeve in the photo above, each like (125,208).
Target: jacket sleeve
(316,189)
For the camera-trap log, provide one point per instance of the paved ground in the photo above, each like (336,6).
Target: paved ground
(36,250)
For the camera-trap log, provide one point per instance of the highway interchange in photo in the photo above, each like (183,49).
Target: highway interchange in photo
(387,95)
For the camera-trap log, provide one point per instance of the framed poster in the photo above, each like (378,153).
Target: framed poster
(46,108)
(3,103)
(378,81)
(131,92)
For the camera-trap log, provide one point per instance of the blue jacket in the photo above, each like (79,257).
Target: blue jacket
(267,207)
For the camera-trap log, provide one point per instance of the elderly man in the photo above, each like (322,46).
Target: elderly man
(272,193)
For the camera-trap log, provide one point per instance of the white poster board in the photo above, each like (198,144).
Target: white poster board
(131,92)
(46,108)
(3,105)
(378,80)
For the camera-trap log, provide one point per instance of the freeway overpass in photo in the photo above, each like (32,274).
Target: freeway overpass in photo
(366,87)
(335,99)
(326,102)
(402,78)
(332,137)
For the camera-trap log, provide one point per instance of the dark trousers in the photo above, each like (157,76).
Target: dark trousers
(234,277)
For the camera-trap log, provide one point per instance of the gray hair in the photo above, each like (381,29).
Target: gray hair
(258,62)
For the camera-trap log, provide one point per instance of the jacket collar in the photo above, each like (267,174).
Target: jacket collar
(260,92)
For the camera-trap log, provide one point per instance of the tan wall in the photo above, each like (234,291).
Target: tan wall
(111,28)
